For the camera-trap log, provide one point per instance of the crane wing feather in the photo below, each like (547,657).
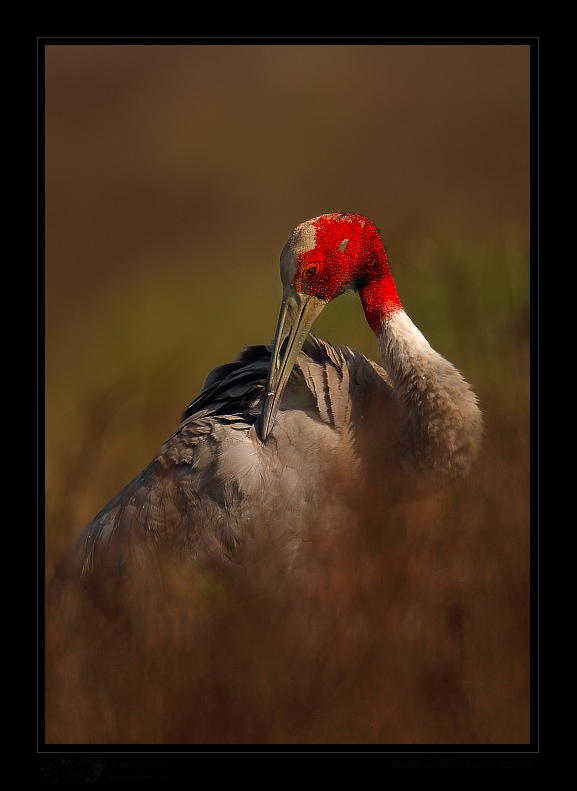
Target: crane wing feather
(212,483)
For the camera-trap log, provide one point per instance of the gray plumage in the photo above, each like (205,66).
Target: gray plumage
(213,485)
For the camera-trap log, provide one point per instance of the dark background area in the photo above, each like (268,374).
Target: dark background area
(174,175)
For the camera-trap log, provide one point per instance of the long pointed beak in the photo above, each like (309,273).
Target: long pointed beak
(297,315)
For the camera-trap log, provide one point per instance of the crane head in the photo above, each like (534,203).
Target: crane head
(323,258)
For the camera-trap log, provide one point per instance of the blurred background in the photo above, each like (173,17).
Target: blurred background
(174,175)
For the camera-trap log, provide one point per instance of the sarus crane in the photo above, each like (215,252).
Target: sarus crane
(276,437)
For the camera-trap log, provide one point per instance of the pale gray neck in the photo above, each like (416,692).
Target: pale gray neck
(442,421)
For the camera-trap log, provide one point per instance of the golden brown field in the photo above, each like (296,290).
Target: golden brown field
(174,175)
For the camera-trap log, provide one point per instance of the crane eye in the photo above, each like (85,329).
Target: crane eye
(311,270)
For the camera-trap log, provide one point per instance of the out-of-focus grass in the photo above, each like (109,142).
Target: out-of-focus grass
(403,627)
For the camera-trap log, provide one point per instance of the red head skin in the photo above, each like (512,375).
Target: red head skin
(348,253)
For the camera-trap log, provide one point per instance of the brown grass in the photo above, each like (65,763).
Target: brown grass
(409,627)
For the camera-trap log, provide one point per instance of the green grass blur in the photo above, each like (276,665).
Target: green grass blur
(174,175)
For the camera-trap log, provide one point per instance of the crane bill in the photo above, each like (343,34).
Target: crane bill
(297,315)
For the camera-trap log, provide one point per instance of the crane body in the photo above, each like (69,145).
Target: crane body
(275,439)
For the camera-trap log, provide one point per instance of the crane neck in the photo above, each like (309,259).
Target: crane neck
(403,349)
(441,419)
(378,294)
